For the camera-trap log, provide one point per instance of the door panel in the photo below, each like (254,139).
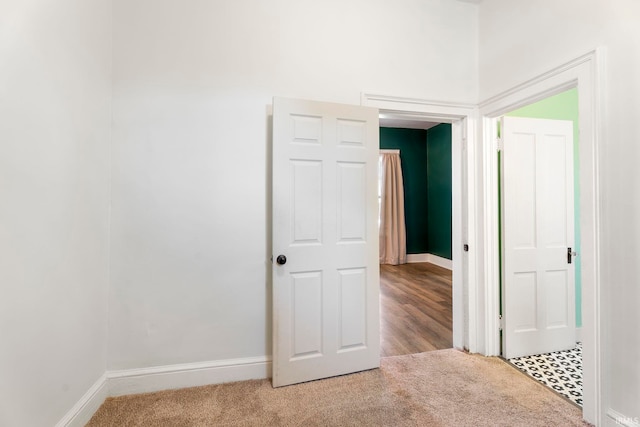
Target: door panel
(306,290)
(539,283)
(306,182)
(325,206)
(353,320)
(351,198)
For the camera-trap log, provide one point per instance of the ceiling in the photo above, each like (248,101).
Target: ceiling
(398,121)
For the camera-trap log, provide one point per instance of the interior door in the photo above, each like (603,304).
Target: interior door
(325,240)
(538,232)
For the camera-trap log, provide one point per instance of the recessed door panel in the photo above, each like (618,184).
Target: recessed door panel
(524,301)
(352,208)
(306,201)
(306,129)
(555,190)
(524,205)
(557,294)
(352,133)
(353,294)
(306,321)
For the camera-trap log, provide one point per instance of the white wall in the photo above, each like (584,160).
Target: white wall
(193,82)
(519,40)
(55,91)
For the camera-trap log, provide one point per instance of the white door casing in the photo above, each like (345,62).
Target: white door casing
(468,307)
(326,295)
(538,227)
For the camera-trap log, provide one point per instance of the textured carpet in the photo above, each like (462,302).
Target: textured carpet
(439,388)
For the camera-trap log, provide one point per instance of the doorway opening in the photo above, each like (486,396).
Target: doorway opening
(466,328)
(585,74)
(476,317)
(416,290)
(540,281)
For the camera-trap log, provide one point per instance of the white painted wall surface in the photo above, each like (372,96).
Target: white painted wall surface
(55,91)
(193,82)
(519,40)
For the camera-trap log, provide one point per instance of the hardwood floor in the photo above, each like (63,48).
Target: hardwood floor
(415,309)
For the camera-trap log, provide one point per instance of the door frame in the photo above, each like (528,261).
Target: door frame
(463,118)
(584,73)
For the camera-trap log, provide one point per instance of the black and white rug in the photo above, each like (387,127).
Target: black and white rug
(561,371)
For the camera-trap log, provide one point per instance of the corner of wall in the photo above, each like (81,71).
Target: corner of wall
(80,414)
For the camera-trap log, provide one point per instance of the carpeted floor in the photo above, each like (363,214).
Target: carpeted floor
(439,388)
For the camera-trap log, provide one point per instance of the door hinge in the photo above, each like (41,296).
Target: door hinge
(500,144)
(501,323)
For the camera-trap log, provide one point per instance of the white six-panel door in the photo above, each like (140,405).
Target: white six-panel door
(326,294)
(538,227)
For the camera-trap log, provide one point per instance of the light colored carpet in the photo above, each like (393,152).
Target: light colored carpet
(438,388)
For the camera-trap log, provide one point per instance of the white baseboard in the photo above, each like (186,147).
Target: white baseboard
(146,380)
(83,410)
(579,334)
(615,418)
(411,258)
(431,258)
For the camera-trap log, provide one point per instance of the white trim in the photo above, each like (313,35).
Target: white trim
(458,234)
(88,404)
(579,334)
(145,380)
(429,105)
(430,258)
(441,262)
(615,418)
(529,86)
(491,342)
(413,258)
(585,73)
(463,118)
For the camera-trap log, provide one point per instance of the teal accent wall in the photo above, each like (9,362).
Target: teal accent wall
(439,190)
(426,168)
(564,106)
(413,158)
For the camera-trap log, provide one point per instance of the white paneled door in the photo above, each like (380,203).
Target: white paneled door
(538,226)
(325,240)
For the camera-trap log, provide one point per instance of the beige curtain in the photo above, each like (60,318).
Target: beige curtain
(393,236)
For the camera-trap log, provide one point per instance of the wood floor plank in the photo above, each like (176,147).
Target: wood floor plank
(416,309)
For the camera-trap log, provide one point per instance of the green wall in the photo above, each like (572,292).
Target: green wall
(413,158)
(564,106)
(426,168)
(439,190)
